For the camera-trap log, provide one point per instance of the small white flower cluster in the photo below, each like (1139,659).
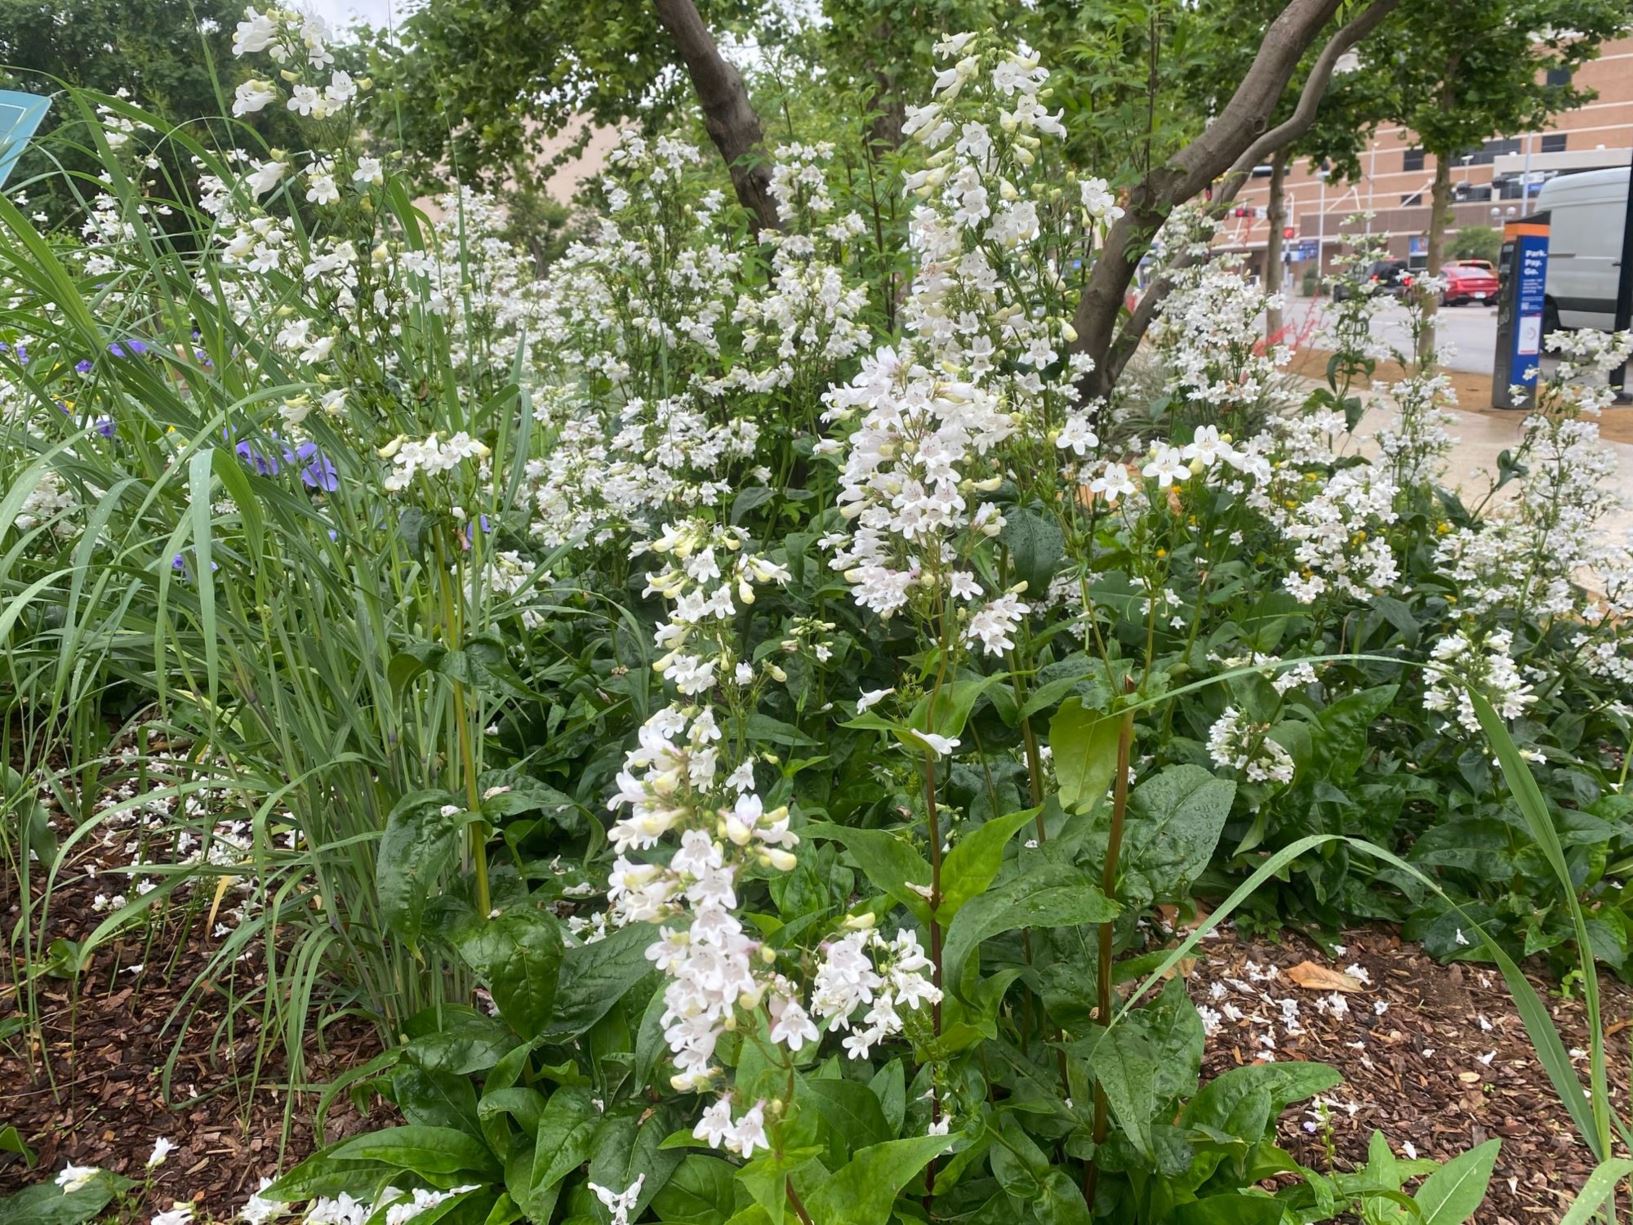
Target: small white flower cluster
(51,502)
(1487,666)
(1415,444)
(1237,743)
(431,457)
(864,969)
(1339,536)
(1210,334)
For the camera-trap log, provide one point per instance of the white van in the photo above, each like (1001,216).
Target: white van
(1585,218)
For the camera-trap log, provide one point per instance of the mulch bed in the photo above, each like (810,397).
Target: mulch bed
(1444,1066)
(94,1095)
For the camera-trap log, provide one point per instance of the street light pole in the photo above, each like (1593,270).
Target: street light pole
(1321,226)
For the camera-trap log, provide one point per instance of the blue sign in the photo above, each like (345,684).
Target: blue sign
(1530,265)
(1418,244)
(20,116)
(1304,250)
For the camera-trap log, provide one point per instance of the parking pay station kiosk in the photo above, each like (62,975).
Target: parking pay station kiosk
(1519,313)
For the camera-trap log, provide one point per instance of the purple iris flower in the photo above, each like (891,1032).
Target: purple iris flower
(470,528)
(317,471)
(106,426)
(83,365)
(263,464)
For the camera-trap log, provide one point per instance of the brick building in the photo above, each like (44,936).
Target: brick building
(1491,184)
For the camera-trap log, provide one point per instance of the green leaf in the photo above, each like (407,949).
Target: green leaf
(422,1150)
(1035,545)
(1122,1064)
(1451,1194)
(518,956)
(1229,1210)
(887,859)
(1083,745)
(417,848)
(1054,895)
(48,1204)
(11,1141)
(436,1099)
(864,1191)
(699,1192)
(562,1143)
(596,976)
(1175,819)
(1600,1186)
(973,864)
(624,1149)
(849,1109)
(953,704)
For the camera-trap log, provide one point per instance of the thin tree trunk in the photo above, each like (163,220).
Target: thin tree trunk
(1274,269)
(729,117)
(1237,138)
(1440,207)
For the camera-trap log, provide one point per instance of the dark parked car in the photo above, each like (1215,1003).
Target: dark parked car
(1388,274)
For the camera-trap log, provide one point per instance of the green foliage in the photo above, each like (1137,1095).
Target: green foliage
(1476,242)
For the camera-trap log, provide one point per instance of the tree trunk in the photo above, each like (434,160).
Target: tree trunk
(1240,134)
(728,115)
(1274,269)
(1440,207)
(888,108)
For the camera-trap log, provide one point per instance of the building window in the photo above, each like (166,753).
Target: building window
(1553,142)
(1559,76)
(1486,153)
(1412,159)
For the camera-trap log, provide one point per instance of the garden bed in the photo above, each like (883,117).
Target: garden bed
(1446,1064)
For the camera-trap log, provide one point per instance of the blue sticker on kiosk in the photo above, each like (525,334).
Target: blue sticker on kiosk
(20,116)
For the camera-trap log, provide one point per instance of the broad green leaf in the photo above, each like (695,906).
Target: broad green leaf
(863,1191)
(849,1109)
(1083,746)
(561,1144)
(625,1148)
(1175,819)
(1053,895)
(419,845)
(423,1150)
(952,706)
(1451,1194)
(596,976)
(48,1204)
(1123,1066)
(973,863)
(699,1192)
(518,956)
(1229,1210)
(1035,545)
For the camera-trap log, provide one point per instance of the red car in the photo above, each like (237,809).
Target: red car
(1468,283)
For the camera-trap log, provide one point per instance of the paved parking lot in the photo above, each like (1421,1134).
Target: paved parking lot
(1468,334)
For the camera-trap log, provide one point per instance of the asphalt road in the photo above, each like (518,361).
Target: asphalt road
(1467,340)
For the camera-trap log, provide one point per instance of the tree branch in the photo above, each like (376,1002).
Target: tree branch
(728,115)
(1237,129)
(1315,87)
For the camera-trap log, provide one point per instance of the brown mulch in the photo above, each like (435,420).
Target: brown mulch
(1447,1064)
(1473,391)
(94,1094)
